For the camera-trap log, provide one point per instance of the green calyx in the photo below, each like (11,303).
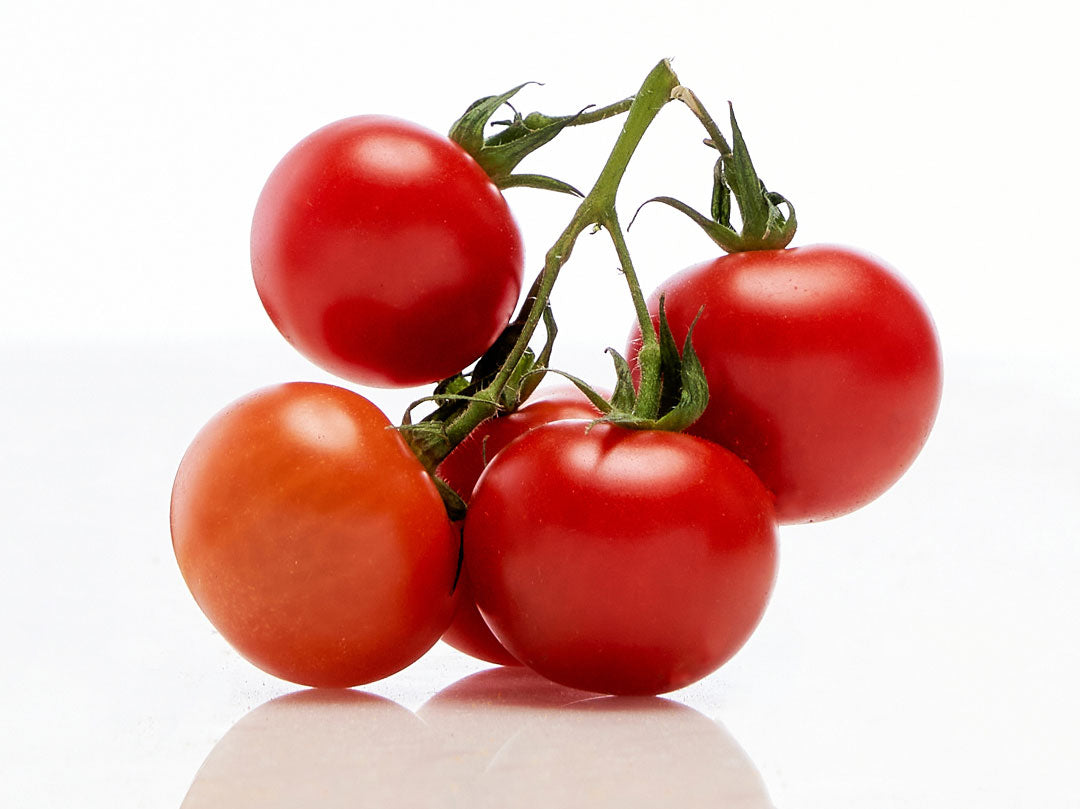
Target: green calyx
(764,223)
(683,388)
(499,154)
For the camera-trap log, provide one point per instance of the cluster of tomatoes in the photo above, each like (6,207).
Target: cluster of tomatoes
(604,556)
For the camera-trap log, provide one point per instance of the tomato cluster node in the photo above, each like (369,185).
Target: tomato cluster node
(429,439)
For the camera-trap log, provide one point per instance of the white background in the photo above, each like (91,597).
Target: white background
(921,652)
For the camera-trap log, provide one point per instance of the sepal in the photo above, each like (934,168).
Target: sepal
(499,154)
(765,224)
(694,387)
(595,398)
(684,388)
(622,398)
(535,374)
(455,507)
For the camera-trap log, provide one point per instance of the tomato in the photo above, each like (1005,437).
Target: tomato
(312,537)
(469,634)
(384,253)
(462,468)
(620,561)
(824,371)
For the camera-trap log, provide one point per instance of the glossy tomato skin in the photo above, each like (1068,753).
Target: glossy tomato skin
(462,468)
(384,253)
(824,371)
(620,561)
(312,538)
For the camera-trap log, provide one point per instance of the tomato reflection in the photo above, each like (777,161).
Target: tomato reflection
(503,737)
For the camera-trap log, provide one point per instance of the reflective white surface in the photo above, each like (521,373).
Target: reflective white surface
(919,653)
(498,738)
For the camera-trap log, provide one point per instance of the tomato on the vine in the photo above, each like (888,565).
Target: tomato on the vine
(384,253)
(312,537)
(463,467)
(632,554)
(824,370)
(620,561)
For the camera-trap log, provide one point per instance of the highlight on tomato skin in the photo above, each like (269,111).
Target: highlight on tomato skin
(384,254)
(824,370)
(468,632)
(620,561)
(312,538)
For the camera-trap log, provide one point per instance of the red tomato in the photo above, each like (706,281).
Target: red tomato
(312,537)
(620,561)
(384,253)
(462,468)
(824,371)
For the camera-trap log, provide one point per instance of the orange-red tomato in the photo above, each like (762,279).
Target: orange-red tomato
(312,537)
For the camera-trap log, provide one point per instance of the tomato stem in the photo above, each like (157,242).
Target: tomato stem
(602,113)
(598,208)
(716,137)
(648,400)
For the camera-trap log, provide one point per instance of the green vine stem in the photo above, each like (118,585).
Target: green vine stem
(603,113)
(587,116)
(597,208)
(716,137)
(648,399)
